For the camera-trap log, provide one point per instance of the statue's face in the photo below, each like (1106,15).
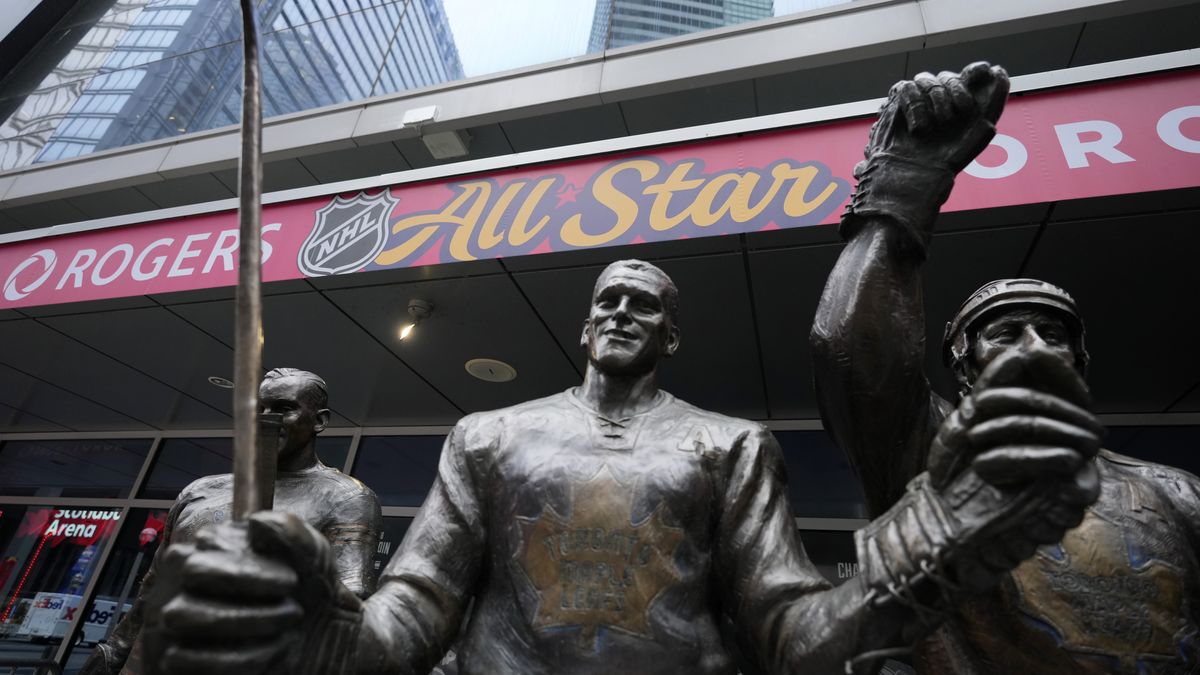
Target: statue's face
(1020,329)
(629,329)
(301,420)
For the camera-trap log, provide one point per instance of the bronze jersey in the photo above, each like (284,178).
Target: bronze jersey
(340,507)
(593,545)
(1117,595)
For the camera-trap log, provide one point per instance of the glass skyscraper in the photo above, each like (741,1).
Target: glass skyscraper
(151,69)
(626,22)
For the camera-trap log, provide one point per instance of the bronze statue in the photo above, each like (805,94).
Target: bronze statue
(608,528)
(343,510)
(1119,594)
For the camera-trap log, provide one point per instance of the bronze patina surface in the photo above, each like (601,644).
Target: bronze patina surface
(614,528)
(344,511)
(1120,593)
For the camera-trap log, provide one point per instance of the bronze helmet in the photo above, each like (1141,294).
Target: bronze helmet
(1010,293)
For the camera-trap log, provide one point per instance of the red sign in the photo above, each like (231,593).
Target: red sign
(1128,136)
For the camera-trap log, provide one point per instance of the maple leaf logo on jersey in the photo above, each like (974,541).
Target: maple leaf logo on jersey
(1100,600)
(598,568)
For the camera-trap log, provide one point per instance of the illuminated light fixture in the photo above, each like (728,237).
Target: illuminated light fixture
(419,310)
(218,381)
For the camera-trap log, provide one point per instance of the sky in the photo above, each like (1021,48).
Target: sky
(493,36)
(498,35)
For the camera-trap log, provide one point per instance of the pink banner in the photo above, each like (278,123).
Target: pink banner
(1128,136)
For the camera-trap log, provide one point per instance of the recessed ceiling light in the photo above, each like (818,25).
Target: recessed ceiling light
(491,370)
(217,381)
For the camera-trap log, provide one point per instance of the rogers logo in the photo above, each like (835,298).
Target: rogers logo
(91,269)
(47,258)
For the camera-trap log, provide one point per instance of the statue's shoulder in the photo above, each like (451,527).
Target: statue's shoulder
(207,486)
(709,427)
(492,422)
(1151,471)
(347,486)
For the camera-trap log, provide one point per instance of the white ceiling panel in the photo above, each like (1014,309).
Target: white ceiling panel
(13,420)
(161,344)
(57,405)
(88,306)
(367,384)
(473,317)
(36,348)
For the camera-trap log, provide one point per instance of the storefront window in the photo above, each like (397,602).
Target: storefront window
(390,537)
(400,469)
(47,557)
(182,460)
(96,469)
(119,582)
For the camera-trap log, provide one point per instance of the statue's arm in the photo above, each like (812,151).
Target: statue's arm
(264,595)
(868,346)
(353,536)
(939,543)
(414,617)
(868,337)
(787,618)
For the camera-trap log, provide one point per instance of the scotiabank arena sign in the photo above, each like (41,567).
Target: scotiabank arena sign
(1128,136)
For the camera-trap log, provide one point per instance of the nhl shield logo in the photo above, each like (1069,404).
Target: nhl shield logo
(348,234)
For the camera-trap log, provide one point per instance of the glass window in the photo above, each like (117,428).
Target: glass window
(821,483)
(182,460)
(47,557)
(332,450)
(400,469)
(88,468)
(394,529)
(119,582)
